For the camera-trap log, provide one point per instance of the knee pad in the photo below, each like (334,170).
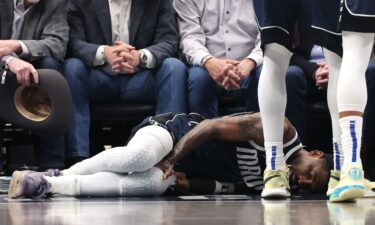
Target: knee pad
(149,183)
(148,146)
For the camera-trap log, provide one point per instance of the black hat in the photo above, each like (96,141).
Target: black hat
(43,108)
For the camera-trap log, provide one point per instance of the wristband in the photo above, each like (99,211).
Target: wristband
(223,188)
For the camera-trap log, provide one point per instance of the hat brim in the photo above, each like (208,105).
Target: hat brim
(58,92)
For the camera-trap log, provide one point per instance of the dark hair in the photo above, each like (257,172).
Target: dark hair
(328,158)
(327,165)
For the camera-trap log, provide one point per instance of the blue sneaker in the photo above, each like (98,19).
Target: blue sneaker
(28,184)
(350,187)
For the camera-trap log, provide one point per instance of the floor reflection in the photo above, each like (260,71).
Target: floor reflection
(214,211)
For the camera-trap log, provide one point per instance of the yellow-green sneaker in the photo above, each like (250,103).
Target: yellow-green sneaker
(369,189)
(334,179)
(350,187)
(276,184)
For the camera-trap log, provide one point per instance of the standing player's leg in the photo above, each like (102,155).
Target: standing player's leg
(272,103)
(352,98)
(276,23)
(334,65)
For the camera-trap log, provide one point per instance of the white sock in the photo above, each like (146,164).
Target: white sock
(148,146)
(338,155)
(272,102)
(64,185)
(351,127)
(275,160)
(334,65)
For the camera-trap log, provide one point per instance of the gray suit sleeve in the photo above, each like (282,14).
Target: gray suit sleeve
(55,33)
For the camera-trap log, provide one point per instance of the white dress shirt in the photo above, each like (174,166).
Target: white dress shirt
(226,29)
(120,20)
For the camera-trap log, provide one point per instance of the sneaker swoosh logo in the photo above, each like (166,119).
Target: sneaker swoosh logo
(269,178)
(336,178)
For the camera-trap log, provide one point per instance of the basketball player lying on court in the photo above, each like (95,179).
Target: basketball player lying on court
(221,155)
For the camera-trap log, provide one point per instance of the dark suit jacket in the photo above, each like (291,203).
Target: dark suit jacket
(45,31)
(152,26)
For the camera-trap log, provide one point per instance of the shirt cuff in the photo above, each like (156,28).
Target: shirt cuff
(205,59)
(198,58)
(151,61)
(5,59)
(99,59)
(25,51)
(257,58)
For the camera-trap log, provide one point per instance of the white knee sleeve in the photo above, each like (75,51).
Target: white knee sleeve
(352,89)
(148,146)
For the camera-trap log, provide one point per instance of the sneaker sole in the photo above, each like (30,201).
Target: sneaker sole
(329,192)
(369,193)
(14,185)
(275,193)
(349,193)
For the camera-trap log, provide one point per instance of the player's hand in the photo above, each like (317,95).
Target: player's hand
(182,183)
(23,70)
(166,167)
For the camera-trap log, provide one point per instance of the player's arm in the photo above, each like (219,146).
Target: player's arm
(203,186)
(238,128)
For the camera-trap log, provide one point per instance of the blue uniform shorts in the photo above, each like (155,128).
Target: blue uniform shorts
(330,18)
(277,20)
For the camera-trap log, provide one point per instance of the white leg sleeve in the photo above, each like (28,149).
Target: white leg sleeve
(148,146)
(352,89)
(334,65)
(148,183)
(272,102)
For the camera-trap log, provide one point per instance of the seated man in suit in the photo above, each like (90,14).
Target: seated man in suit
(34,35)
(121,52)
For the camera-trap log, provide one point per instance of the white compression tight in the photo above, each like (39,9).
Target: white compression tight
(148,183)
(352,92)
(272,102)
(148,146)
(352,89)
(334,65)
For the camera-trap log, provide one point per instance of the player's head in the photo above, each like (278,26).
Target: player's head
(311,170)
